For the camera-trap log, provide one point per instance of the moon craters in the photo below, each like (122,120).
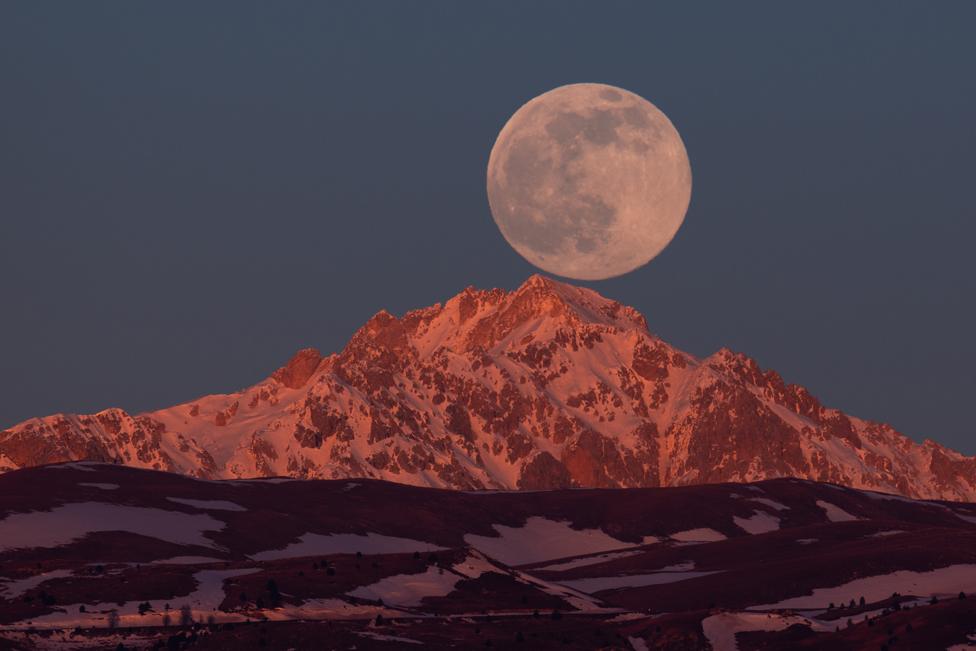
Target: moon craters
(588,181)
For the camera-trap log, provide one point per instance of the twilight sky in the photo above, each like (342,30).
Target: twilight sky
(189,192)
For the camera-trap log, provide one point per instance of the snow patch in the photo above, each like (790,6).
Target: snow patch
(475,565)
(329,608)
(770,503)
(74,465)
(541,539)
(599,584)
(314,544)
(721,629)
(875,495)
(267,480)
(678,567)
(966,518)
(700,535)
(387,638)
(629,617)
(969,645)
(834,513)
(188,560)
(12,588)
(409,589)
(637,644)
(943,581)
(69,522)
(759,522)
(203,602)
(587,560)
(214,505)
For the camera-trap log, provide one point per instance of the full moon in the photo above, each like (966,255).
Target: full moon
(589,181)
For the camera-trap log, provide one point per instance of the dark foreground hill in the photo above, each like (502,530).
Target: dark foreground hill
(97,555)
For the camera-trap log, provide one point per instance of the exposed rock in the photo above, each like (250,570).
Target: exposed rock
(299,368)
(547,386)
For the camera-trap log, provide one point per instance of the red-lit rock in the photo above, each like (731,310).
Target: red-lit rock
(500,389)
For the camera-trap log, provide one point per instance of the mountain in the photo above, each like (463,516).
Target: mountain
(548,386)
(101,555)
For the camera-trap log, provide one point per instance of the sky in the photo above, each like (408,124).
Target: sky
(190,192)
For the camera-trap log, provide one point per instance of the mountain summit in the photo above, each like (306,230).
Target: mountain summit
(548,386)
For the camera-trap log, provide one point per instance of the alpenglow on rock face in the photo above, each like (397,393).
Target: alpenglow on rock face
(547,386)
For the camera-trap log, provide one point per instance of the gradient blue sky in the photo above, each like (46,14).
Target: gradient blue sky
(189,192)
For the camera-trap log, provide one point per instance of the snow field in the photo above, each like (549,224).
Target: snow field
(541,539)
(315,544)
(759,522)
(68,522)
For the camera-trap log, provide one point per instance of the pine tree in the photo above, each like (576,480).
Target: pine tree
(274,593)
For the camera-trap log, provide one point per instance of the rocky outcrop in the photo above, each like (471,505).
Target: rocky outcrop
(299,368)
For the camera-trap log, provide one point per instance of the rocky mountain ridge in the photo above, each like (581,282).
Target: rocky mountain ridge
(548,386)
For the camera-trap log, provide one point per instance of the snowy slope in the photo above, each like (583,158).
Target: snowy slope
(668,568)
(547,386)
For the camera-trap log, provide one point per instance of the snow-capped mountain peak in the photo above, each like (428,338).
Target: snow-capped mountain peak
(549,385)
